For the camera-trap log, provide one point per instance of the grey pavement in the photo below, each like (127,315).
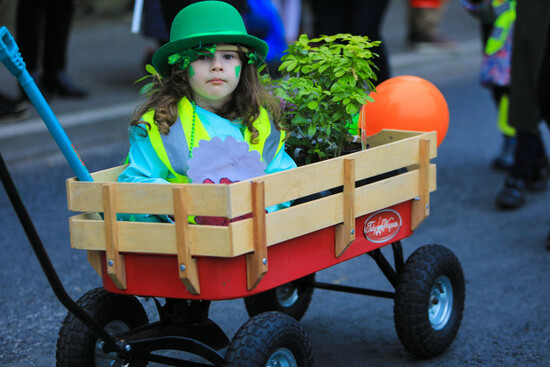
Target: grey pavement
(106,58)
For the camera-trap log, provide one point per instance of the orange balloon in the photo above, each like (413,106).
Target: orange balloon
(406,103)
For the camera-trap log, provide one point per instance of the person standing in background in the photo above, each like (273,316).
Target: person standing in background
(424,18)
(531,168)
(291,14)
(153,27)
(358,17)
(172,7)
(497,18)
(43,28)
(10,109)
(542,83)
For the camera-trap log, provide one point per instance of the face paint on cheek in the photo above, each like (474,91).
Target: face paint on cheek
(191,71)
(237,71)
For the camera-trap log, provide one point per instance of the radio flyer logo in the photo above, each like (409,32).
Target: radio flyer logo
(382,226)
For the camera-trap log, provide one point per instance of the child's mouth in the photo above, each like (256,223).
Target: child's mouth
(216,81)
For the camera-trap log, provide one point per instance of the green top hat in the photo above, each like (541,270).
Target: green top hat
(204,23)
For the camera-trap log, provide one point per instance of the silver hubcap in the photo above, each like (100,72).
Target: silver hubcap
(441,302)
(282,358)
(103,359)
(287,295)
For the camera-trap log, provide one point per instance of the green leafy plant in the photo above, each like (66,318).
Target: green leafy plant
(327,81)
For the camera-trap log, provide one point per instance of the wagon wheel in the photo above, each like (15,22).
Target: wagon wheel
(77,346)
(267,340)
(429,301)
(291,298)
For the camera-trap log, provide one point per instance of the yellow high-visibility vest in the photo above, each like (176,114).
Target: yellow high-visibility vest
(173,149)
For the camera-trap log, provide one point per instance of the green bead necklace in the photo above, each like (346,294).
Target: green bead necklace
(192,140)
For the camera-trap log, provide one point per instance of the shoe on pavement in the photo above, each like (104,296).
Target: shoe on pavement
(12,111)
(61,84)
(512,194)
(434,45)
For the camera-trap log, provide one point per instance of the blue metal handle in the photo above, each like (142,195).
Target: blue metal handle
(12,60)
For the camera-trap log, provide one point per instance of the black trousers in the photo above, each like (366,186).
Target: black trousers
(543,80)
(357,17)
(42,33)
(530,91)
(170,8)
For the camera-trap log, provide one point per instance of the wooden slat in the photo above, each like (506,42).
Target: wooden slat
(151,198)
(116,268)
(389,136)
(153,238)
(421,207)
(256,262)
(109,175)
(187,266)
(345,232)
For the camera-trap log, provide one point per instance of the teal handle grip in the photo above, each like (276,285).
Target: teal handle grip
(12,60)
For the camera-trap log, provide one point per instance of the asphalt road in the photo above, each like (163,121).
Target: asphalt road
(506,318)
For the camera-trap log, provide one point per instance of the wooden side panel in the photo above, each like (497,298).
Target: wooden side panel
(160,238)
(404,150)
(234,200)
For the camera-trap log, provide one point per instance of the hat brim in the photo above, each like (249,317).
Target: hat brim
(160,58)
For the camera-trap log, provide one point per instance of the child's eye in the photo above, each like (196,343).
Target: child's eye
(202,57)
(229,56)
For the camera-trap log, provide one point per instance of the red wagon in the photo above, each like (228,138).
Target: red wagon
(371,199)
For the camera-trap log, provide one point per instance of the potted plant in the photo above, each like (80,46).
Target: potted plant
(327,81)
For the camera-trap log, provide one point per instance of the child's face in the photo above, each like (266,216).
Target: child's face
(214,78)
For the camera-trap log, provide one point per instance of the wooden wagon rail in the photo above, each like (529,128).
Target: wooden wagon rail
(388,151)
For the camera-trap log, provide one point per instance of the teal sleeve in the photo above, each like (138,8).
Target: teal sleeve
(144,164)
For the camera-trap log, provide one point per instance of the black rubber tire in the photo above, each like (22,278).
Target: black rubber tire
(265,335)
(429,268)
(274,299)
(76,345)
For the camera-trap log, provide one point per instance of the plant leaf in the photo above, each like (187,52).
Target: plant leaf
(313,105)
(311,130)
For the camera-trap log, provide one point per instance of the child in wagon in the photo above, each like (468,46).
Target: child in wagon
(210,120)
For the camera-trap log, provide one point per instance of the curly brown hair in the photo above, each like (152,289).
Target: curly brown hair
(245,104)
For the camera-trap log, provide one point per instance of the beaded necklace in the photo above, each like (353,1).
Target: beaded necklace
(193,128)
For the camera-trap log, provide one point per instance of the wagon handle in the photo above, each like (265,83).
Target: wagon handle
(12,60)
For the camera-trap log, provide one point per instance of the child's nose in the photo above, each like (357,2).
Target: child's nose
(216,63)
